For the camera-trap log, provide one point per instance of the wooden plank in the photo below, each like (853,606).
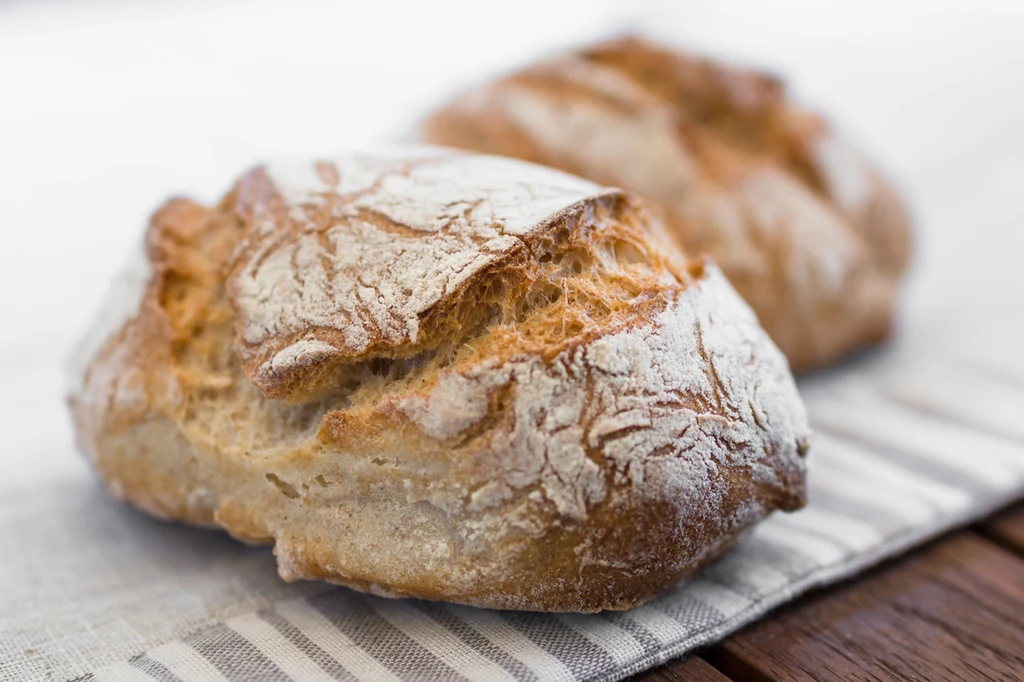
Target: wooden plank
(693,669)
(1006,529)
(951,611)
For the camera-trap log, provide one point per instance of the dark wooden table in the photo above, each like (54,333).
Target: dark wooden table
(951,610)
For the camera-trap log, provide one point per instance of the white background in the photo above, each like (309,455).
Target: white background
(106,108)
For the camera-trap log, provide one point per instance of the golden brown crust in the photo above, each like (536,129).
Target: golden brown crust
(613,423)
(807,231)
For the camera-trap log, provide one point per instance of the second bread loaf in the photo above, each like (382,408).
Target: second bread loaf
(804,227)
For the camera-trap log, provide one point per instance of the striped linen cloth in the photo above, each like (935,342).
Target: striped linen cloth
(907,445)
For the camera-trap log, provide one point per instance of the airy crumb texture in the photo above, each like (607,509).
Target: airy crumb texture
(443,375)
(806,230)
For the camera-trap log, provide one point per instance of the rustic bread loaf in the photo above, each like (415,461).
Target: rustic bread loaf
(444,375)
(806,230)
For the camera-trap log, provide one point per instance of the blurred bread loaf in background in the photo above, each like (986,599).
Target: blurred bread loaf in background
(805,228)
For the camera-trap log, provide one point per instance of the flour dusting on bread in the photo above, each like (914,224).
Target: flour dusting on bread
(445,376)
(626,397)
(367,256)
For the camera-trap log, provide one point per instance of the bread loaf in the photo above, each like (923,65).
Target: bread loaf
(806,230)
(450,376)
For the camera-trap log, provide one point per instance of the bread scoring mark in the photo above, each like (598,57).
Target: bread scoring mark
(357,265)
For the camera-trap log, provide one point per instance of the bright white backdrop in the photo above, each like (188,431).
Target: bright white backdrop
(107,107)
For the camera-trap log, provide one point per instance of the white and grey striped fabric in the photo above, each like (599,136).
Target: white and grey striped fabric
(95,591)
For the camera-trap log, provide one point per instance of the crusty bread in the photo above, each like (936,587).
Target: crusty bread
(806,230)
(443,375)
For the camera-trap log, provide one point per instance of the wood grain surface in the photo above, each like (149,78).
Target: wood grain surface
(1006,529)
(952,610)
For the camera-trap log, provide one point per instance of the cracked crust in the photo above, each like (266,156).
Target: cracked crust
(539,410)
(807,231)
